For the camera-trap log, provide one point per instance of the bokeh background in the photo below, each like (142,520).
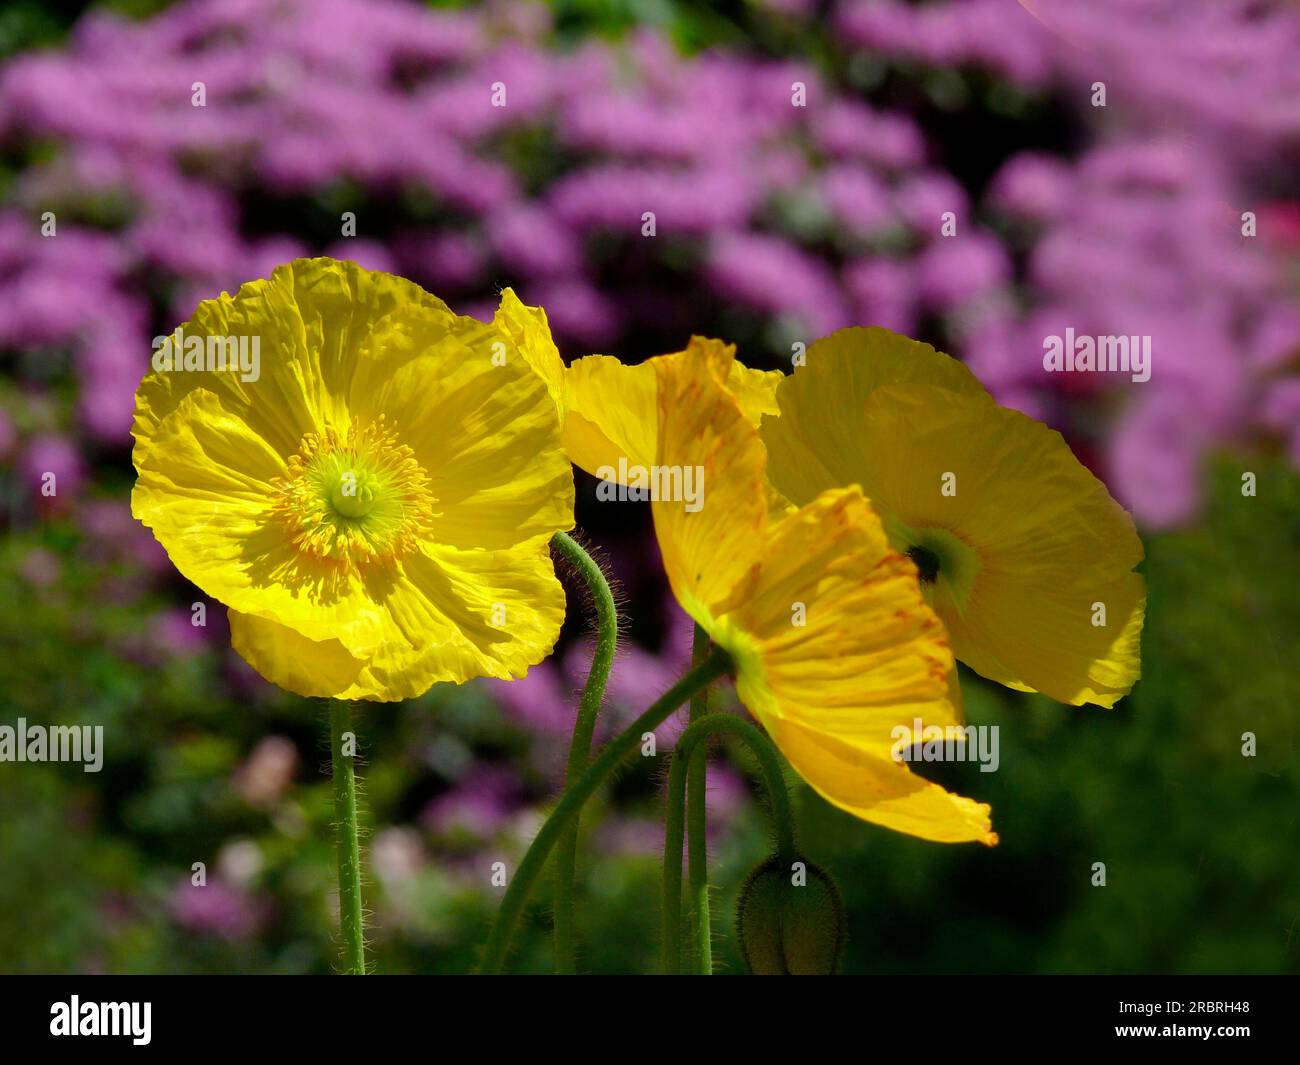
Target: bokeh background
(775,224)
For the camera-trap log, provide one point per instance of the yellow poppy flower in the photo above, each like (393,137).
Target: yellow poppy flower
(1020,549)
(833,644)
(373,499)
(612,412)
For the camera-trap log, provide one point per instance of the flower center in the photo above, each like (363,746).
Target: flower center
(945,563)
(355,496)
(927,563)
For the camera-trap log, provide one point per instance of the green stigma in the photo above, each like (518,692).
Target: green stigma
(353,494)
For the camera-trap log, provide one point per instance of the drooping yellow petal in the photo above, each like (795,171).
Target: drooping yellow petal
(1031,559)
(449,615)
(836,649)
(833,643)
(317,669)
(711,546)
(880,790)
(846,643)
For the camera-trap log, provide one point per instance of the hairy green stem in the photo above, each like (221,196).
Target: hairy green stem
(566,858)
(571,802)
(690,742)
(351,921)
(697,826)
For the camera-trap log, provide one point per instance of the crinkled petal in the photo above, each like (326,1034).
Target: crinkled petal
(204,490)
(318,669)
(1054,549)
(316,321)
(449,615)
(815,443)
(613,414)
(530,334)
(339,343)
(486,434)
(834,633)
(755,391)
(613,409)
(881,790)
(711,547)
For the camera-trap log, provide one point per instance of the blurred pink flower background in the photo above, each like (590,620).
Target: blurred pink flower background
(798,220)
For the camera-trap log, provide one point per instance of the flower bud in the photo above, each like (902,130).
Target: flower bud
(790,920)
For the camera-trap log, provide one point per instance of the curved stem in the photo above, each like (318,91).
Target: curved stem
(697,826)
(774,780)
(571,802)
(351,922)
(566,859)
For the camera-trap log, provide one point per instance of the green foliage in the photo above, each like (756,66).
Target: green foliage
(1198,841)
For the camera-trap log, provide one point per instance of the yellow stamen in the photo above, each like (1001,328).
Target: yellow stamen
(356,497)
